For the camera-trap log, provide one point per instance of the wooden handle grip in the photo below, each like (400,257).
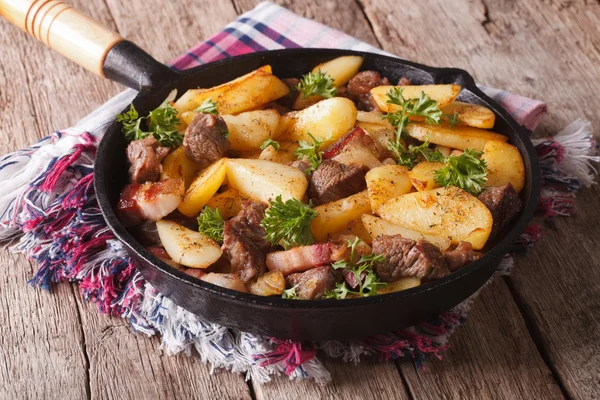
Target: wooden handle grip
(64,29)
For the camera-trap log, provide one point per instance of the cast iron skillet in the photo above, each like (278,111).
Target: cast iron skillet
(126,63)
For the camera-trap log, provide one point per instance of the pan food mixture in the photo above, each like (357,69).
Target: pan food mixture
(335,185)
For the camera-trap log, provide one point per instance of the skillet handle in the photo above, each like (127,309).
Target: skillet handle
(86,42)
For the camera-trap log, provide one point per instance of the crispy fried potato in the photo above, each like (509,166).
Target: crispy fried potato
(253,92)
(187,247)
(177,165)
(447,211)
(443,94)
(422,175)
(458,137)
(378,227)
(248,130)
(214,92)
(334,217)
(229,203)
(328,120)
(187,102)
(387,182)
(505,165)
(471,114)
(373,117)
(358,229)
(203,188)
(265,180)
(341,69)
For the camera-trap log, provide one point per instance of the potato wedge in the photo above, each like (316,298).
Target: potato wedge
(334,217)
(447,211)
(203,188)
(378,227)
(177,165)
(229,203)
(302,102)
(187,102)
(248,130)
(187,247)
(265,180)
(505,165)
(328,120)
(358,229)
(228,281)
(373,117)
(400,284)
(271,283)
(472,114)
(443,94)
(214,92)
(341,69)
(387,182)
(187,117)
(253,92)
(422,175)
(458,137)
(270,154)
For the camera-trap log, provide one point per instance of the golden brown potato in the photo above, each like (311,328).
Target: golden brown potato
(387,182)
(253,92)
(400,284)
(447,211)
(458,137)
(177,165)
(471,114)
(214,92)
(187,247)
(378,227)
(443,94)
(328,120)
(229,203)
(505,165)
(248,130)
(203,188)
(187,102)
(422,175)
(334,217)
(358,229)
(341,69)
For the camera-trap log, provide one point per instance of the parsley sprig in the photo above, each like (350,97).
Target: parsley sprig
(411,156)
(208,107)
(452,119)
(368,281)
(467,171)
(162,124)
(317,83)
(211,224)
(311,151)
(290,293)
(288,223)
(270,142)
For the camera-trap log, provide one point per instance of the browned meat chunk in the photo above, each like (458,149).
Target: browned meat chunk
(205,139)
(360,86)
(313,283)
(461,256)
(404,81)
(333,181)
(244,241)
(504,204)
(302,165)
(144,157)
(286,103)
(405,257)
(150,201)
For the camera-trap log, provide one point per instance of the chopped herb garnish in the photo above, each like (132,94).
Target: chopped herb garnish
(317,83)
(208,107)
(467,171)
(270,142)
(311,151)
(288,223)
(290,293)
(411,156)
(211,224)
(452,119)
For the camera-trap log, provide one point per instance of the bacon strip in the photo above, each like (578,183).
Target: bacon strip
(149,201)
(303,258)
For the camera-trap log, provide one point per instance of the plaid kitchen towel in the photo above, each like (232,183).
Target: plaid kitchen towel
(48,203)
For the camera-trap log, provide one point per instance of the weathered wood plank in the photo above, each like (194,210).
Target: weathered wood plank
(542,50)
(491,357)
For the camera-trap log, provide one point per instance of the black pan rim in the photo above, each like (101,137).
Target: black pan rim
(493,254)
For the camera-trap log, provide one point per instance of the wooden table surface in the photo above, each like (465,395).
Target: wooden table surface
(535,334)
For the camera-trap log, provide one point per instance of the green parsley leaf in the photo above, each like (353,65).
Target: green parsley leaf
(423,106)
(208,107)
(270,142)
(452,119)
(414,154)
(290,293)
(317,83)
(467,171)
(312,152)
(131,125)
(211,224)
(289,223)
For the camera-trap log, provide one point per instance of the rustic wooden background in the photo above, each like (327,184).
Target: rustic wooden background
(535,334)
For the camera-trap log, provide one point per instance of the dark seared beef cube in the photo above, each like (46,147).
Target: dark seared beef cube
(461,256)
(364,81)
(244,241)
(312,284)
(145,157)
(302,164)
(333,181)
(205,139)
(405,257)
(504,204)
